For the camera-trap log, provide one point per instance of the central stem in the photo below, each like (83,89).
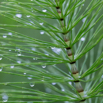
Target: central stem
(74,69)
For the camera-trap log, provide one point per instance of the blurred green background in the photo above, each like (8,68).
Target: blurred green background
(35,34)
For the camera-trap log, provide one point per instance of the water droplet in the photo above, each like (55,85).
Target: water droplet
(83,38)
(53,83)
(29,102)
(83,5)
(62,90)
(9,33)
(30,77)
(0,70)
(41,23)
(19,62)
(18,54)
(102,59)
(0,58)
(28,16)
(32,84)
(4,97)
(18,49)
(56,50)
(70,83)
(44,66)
(44,10)
(48,90)
(84,19)
(24,73)
(4,36)
(9,50)
(33,49)
(46,54)
(34,59)
(41,32)
(66,102)
(12,66)
(19,15)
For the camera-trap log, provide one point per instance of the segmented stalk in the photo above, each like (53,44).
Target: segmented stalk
(74,69)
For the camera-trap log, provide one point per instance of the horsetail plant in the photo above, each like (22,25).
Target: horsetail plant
(51,51)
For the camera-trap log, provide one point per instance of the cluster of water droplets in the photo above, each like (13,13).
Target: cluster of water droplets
(41,32)
(18,50)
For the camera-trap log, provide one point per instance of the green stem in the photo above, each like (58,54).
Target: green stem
(74,69)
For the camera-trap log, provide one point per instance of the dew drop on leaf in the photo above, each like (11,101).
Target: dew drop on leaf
(83,20)
(53,83)
(44,10)
(41,23)
(4,97)
(44,66)
(34,58)
(18,54)
(9,33)
(41,32)
(28,16)
(24,73)
(12,66)
(4,36)
(19,15)
(83,5)
(56,50)
(33,49)
(0,58)
(48,90)
(19,62)
(30,102)
(70,83)
(32,84)
(46,54)
(29,77)
(0,70)
(62,89)
(9,50)
(83,38)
